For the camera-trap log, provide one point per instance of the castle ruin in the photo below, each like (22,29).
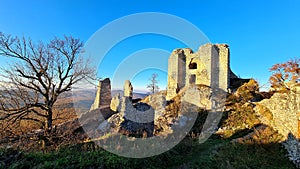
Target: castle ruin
(103,95)
(208,66)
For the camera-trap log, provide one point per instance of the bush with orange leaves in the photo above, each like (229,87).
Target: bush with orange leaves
(285,74)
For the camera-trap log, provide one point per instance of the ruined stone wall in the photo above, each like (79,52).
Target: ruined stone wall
(224,66)
(202,59)
(103,95)
(133,114)
(128,89)
(208,66)
(176,71)
(134,119)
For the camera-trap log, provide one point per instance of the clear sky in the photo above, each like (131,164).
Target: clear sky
(259,33)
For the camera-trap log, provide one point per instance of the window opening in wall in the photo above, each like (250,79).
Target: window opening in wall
(193,65)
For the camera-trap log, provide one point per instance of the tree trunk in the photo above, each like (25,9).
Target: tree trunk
(47,129)
(48,123)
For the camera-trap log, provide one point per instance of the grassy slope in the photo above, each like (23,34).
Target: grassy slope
(214,153)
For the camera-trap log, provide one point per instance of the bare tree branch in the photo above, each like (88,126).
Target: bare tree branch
(30,88)
(152,86)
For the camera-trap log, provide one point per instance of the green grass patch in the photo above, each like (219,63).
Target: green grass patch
(214,153)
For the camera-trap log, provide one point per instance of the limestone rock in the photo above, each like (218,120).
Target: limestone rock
(116,120)
(95,120)
(135,115)
(158,103)
(199,96)
(284,109)
(292,145)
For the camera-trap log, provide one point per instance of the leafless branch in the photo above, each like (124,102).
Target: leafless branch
(31,87)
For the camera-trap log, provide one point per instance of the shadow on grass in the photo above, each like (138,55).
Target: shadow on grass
(214,153)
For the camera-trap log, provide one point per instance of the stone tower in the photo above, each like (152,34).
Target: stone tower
(103,95)
(208,66)
(176,72)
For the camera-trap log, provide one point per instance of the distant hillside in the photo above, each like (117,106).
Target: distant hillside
(135,94)
(83,99)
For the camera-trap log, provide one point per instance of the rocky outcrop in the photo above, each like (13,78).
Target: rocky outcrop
(283,114)
(292,145)
(133,114)
(283,111)
(199,96)
(94,120)
(158,103)
(155,115)
(181,112)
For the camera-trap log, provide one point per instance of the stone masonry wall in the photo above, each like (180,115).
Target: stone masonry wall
(132,119)
(176,72)
(103,95)
(208,66)
(224,66)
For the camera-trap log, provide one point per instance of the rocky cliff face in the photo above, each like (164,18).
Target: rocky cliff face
(282,112)
(292,145)
(283,109)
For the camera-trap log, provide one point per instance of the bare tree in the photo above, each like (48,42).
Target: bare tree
(152,86)
(41,73)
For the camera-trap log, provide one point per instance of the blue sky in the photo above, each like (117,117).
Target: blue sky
(259,33)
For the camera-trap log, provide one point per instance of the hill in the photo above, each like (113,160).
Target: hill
(82,100)
(242,141)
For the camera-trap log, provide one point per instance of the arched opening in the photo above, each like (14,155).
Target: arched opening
(193,65)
